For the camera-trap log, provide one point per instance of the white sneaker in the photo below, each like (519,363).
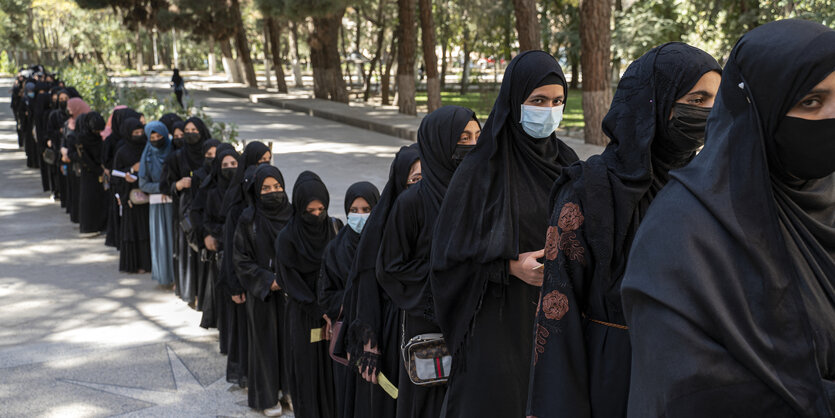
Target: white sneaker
(275,411)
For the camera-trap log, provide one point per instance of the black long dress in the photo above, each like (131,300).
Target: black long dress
(373,318)
(333,278)
(498,209)
(254,257)
(234,202)
(135,248)
(111,144)
(581,348)
(41,114)
(55,122)
(73,181)
(180,164)
(299,250)
(92,196)
(203,290)
(729,289)
(213,220)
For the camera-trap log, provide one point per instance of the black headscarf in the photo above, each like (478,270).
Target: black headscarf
(215,176)
(362,189)
(272,218)
(724,236)
(194,152)
(308,239)
(234,194)
(169,119)
(132,150)
(438,135)
(497,207)
(89,136)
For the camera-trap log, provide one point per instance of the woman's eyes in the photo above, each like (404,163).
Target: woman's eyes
(811,102)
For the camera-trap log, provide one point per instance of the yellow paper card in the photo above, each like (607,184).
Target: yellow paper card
(317,334)
(387,386)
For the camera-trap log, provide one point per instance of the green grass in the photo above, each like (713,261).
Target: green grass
(482,103)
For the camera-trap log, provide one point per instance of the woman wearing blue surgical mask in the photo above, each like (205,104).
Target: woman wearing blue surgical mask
(488,235)
(336,264)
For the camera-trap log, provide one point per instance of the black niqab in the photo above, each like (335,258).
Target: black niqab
(277,216)
(234,194)
(194,152)
(741,331)
(309,239)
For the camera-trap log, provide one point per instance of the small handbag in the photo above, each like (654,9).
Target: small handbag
(138,197)
(48,156)
(335,328)
(76,169)
(426,358)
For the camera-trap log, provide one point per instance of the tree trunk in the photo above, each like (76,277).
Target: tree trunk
(242,45)
(465,71)
(267,55)
(430,60)
(527,24)
(407,39)
(444,48)
(294,55)
(174,46)
(212,58)
(230,66)
(595,37)
(324,56)
(140,62)
(385,82)
(345,54)
(574,62)
(275,49)
(381,37)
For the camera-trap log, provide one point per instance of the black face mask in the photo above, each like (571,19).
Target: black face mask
(158,144)
(228,172)
(312,219)
(62,105)
(178,142)
(460,152)
(191,138)
(273,200)
(138,139)
(806,148)
(686,132)
(207,163)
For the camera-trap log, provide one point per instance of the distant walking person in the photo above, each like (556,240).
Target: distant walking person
(179,86)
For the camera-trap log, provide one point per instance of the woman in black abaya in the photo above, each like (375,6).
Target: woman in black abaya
(656,123)
(488,236)
(92,196)
(254,257)
(111,145)
(333,277)
(177,182)
(214,187)
(729,289)
(372,339)
(403,263)
(234,202)
(195,238)
(135,249)
(299,250)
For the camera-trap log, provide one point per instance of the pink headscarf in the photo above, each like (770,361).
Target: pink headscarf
(77,107)
(108,129)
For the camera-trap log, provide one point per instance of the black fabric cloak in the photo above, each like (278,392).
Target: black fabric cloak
(111,144)
(92,196)
(498,209)
(135,248)
(254,257)
(728,290)
(403,262)
(372,316)
(234,202)
(333,277)
(195,238)
(581,367)
(299,251)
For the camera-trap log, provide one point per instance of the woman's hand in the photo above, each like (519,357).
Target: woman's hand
(275,286)
(328,330)
(526,268)
(183,183)
(370,373)
(239,299)
(210,242)
(135,167)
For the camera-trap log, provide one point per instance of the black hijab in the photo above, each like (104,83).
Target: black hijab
(194,152)
(234,194)
(438,135)
(89,137)
(215,177)
(726,232)
(169,119)
(615,188)
(362,189)
(309,239)
(497,207)
(273,219)
(132,151)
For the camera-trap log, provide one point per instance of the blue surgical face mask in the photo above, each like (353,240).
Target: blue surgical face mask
(357,221)
(31,95)
(541,122)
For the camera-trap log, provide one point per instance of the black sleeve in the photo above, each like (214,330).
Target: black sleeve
(255,278)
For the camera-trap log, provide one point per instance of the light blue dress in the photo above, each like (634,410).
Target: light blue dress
(161,214)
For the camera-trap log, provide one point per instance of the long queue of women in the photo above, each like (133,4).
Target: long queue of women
(496,275)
